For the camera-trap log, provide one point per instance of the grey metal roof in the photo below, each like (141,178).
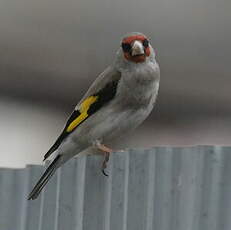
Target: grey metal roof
(162,188)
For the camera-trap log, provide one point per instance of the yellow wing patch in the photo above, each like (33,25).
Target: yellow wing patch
(85,105)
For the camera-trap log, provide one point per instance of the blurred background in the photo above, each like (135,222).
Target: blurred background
(52,50)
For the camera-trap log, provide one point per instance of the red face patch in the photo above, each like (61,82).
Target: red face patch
(131,39)
(128,41)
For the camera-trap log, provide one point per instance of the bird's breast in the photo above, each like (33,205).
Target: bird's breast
(139,86)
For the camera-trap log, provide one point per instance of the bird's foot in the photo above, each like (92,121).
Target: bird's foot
(106,151)
(104,164)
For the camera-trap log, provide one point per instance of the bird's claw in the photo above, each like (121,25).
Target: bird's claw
(104,173)
(106,151)
(104,165)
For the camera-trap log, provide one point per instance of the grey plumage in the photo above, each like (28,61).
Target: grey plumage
(118,108)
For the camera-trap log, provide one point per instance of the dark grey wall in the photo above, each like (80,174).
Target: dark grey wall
(51,50)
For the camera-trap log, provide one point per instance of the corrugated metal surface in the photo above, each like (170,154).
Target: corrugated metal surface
(161,188)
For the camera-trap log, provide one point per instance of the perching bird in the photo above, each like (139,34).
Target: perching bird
(118,101)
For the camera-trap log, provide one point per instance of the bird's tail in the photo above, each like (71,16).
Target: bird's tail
(45,177)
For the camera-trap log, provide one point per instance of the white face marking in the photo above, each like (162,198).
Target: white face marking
(137,48)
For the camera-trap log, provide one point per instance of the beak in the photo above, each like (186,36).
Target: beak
(137,48)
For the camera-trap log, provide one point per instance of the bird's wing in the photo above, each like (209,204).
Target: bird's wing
(100,93)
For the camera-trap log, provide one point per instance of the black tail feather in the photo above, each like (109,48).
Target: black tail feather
(45,178)
(55,145)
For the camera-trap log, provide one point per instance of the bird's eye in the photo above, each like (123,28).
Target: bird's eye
(145,43)
(126,47)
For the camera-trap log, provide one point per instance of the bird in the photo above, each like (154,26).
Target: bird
(118,101)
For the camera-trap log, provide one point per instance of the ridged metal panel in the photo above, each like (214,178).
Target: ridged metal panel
(162,189)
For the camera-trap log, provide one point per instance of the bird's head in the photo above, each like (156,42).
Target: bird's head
(136,48)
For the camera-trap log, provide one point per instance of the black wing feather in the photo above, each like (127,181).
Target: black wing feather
(104,95)
(63,135)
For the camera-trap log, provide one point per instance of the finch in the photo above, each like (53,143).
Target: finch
(119,100)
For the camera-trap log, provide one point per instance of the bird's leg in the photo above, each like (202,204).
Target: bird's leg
(106,151)
(104,164)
